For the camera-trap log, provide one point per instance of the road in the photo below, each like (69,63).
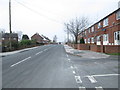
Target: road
(50,66)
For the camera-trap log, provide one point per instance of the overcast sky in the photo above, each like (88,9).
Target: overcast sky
(47,17)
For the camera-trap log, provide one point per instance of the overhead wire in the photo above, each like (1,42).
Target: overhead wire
(32,10)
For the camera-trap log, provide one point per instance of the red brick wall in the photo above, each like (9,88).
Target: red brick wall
(112,48)
(83,47)
(96,48)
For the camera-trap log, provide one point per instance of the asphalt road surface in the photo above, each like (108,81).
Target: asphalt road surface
(50,66)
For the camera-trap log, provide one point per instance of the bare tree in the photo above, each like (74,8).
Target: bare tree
(55,39)
(75,26)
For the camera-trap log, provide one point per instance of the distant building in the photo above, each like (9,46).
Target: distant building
(37,38)
(46,40)
(6,38)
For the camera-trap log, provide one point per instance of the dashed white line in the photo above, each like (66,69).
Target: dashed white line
(82,88)
(92,79)
(78,79)
(99,88)
(38,53)
(20,62)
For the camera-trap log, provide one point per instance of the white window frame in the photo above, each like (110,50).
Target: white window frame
(99,25)
(92,39)
(88,40)
(89,30)
(118,15)
(117,38)
(3,38)
(98,40)
(105,22)
(92,28)
(105,39)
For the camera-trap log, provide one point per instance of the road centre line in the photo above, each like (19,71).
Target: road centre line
(92,79)
(78,79)
(38,52)
(20,62)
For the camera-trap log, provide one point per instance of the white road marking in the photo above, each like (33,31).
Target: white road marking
(45,50)
(78,79)
(99,88)
(38,53)
(20,62)
(82,88)
(66,55)
(74,72)
(68,59)
(71,67)
(105,75)
(92,79)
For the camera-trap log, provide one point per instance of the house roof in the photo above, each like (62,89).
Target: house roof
(105,17)
(7,35)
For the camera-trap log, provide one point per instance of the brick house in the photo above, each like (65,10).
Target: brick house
(6,38)
(37,38)
(104,32)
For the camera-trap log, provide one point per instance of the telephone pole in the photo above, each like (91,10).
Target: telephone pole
(10,23)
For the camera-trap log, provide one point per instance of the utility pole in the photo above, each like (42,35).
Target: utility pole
(10,24)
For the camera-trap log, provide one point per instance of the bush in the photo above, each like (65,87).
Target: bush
(82,41)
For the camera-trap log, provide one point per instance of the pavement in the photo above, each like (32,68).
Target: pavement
(51,66)
(17,51)
(85,53)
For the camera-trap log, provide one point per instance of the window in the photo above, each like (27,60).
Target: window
(89,30)
(117,35)
(3,38)
(92,29)
(88,40)
(14,39)
(105,37)
(105,22)
(92,40)
(118,15)
(99,25)
(85,32)
(98,38)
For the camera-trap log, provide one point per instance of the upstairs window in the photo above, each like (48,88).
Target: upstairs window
(98,38)
(118,15)
(105,22)
(99,25)
(89,30)
(92,29)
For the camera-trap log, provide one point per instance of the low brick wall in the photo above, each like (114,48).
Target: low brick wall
(112,48)
(95,48)
(83,47)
